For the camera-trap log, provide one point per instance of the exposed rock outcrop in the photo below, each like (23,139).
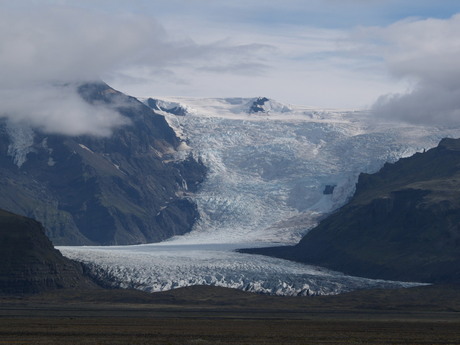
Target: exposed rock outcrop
(30,264)
(123,189)
(403,223)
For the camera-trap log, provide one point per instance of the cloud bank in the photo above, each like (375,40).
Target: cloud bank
(427,52)
(45,47)
(296,52)
(58,109)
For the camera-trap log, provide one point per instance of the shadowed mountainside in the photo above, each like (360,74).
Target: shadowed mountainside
(122,189)
(29,262)
(403,223)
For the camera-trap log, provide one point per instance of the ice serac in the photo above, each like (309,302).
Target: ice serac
(127,188)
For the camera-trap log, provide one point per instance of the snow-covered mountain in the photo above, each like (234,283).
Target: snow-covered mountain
(217,106)
(274,170)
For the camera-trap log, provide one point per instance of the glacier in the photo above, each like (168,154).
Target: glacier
(165,266)
(274,171)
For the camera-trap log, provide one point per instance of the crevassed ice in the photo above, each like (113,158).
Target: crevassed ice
(268,172)
(160,267)
(266,184)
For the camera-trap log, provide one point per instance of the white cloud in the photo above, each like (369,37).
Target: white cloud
(65,43)
(45,46)
(59,109)
(245,51)
(427,52)
(293,64)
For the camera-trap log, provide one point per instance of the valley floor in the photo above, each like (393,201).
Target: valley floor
(209,315)
(151,330)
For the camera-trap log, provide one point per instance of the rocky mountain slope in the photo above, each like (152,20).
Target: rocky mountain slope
(29,263)
(402,223)
(123,189)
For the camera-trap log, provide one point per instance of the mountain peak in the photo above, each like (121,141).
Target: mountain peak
(127,188)
(266,105)
(450,144)
(221,107)
(258,105)
(30,264)
(173,108)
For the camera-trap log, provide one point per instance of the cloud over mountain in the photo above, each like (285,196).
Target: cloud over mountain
(46,51)
(45,48)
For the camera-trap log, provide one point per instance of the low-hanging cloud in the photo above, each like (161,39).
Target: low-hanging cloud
(46,52)
(44,47)
(426,52)
(59,109)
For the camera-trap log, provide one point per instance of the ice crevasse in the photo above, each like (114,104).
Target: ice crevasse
(272,175)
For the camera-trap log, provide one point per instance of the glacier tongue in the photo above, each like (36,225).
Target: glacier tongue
(272,176)
(160,267)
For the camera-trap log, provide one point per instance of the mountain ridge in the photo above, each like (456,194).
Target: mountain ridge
(127,188)
(30,264)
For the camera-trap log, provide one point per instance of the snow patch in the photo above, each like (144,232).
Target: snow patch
(21,141)
(85,148)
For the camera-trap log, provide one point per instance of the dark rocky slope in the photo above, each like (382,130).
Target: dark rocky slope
(29,263)
(122,189)
(403,223)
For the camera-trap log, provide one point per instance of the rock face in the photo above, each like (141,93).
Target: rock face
(403,223)
(257,105)
(29,263)
(122,189)
(169,107)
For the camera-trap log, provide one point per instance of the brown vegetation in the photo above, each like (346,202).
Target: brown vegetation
(209,315)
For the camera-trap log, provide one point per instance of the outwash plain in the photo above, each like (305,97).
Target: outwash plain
(211,315)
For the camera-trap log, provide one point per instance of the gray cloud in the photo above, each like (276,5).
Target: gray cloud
(58,109)
(44,47)
(427,104)
(427,52)
(238,68)
(64,43)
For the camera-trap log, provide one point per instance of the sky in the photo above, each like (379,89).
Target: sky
(399,58)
